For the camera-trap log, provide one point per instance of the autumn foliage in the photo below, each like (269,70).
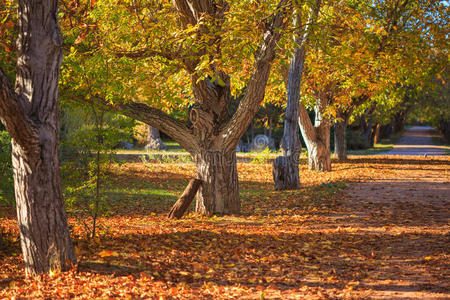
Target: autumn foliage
(385,235)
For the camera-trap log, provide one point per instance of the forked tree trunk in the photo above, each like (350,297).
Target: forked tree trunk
(214,135)
(319,155)
(340,141)
(317,137)
(31,117)
(219,192)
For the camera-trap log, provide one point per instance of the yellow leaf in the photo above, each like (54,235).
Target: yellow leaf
(427,258)
(107,253)
(184,273)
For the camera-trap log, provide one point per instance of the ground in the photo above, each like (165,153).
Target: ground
(374,227)
(418,140)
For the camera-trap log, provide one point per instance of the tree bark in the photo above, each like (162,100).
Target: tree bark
(180,207)
(376,137)
(340,140)
(45,238)
(219,192)
(317,137)
(154,141)
(285,168)
(319,155)
(340,132)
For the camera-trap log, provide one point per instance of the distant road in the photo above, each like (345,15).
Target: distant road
(417,140)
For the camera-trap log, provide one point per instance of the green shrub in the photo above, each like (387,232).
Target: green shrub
(6,173)
(355,141)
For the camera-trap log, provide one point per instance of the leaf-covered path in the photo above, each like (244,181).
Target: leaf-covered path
(418,140)
(371,228)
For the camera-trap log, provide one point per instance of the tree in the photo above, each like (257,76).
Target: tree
(30,115)
(401,41)
(154,141)
(285,167)
(192,41)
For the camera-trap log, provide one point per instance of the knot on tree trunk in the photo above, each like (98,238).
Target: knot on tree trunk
(203,121)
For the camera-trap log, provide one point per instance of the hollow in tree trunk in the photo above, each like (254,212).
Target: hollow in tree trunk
(219,191)
(30,114)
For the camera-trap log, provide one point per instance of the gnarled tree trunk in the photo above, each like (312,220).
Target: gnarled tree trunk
(319,155)
(214,134)
(30,115)
(219,192)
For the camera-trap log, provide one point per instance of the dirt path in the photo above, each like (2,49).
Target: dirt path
(409,210)
(417,140)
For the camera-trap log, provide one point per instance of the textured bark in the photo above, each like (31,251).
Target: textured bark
(154,141)
(285,168)
(44,233)
(219,192)
(376,135)
(319,155)
(285,173)
(317,136)
(180,207)
(177,130)
(340,141)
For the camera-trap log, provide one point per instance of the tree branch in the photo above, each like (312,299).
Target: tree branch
(256,87)
(305,124)
(13,116)
(174,128)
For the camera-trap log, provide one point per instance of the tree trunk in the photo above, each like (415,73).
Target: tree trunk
(154,141)
(319,155)
(31,117)
(376,138)
(44,233)
(317,137)
(285,168)
(340,140)
(219,192)
(185,200)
